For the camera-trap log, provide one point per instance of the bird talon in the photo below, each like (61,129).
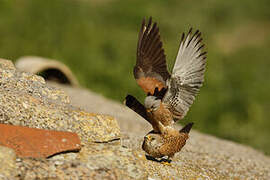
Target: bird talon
(144,158)
(166,163)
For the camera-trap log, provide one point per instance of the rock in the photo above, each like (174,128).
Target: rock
(203,157)
(26,100)
(100,161)
(127,119)
(7,163)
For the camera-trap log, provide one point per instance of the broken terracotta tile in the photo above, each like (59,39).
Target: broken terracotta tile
(37,143)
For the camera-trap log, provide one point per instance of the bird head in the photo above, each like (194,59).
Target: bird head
(153,140)
(151,103)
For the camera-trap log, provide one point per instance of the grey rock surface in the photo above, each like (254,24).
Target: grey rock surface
(95,161)
(93,102)
(203,157)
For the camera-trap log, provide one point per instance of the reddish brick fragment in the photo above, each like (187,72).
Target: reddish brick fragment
(37,143)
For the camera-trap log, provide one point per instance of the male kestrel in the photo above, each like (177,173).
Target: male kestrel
(169,96)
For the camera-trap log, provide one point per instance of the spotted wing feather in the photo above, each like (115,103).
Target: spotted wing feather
(187,76)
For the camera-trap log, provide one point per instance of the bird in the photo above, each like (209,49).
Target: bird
(158,145)
(164,142)
(169,96)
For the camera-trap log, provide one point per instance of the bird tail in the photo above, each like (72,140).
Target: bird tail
(187,128)
(135,105)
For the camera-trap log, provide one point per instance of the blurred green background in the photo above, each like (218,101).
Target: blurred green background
(97,39)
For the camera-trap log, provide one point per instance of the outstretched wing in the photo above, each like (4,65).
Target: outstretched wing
(151,68)
(187,76)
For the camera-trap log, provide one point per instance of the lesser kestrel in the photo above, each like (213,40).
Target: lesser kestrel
(169,96)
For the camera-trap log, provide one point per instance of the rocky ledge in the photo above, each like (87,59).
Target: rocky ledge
(26,100)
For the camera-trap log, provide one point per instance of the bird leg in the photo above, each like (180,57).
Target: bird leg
(166,163)
(161,127)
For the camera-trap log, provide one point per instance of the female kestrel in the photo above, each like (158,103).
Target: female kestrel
(167,143)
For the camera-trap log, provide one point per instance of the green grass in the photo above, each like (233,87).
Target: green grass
(97,40)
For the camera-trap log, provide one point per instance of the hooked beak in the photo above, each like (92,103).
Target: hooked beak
(149,110)
(146,138)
